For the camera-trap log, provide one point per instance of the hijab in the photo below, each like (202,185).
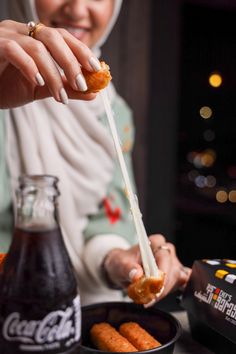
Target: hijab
(46,137)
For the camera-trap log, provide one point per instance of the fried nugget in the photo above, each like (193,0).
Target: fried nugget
(145,289)
(105,337)
(136,335)
(97,81)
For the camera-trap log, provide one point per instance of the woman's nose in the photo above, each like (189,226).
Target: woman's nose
(76,9)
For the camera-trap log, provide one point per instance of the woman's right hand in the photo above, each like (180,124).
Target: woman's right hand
(29,67)
(123,266)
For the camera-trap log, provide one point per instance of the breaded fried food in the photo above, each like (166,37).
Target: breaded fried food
(97,81)
(145,289)
(137,336)
(105,337)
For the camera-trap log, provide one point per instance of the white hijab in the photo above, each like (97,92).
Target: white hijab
(46,137)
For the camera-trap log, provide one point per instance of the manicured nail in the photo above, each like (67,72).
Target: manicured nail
(185,271)
(132,273)
(81,83)
(40,79)
(149,304)
(63,96)
(95,63)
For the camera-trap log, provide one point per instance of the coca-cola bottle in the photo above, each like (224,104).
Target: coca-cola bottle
(39,303)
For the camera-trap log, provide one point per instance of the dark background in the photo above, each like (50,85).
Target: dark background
(162,53)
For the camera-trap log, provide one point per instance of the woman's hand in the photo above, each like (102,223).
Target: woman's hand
(29,67)
(124,266)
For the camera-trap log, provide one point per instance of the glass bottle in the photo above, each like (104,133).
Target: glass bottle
(39,303)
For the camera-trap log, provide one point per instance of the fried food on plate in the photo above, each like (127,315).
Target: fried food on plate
(146,289)
(97,81)
(105,337)
(136,335)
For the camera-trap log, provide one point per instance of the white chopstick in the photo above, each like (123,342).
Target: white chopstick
(148,260)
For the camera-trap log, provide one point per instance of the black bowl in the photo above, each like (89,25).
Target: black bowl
(161,325)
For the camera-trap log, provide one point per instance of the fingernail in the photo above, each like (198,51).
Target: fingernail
(81,83)
(149,304)
(95,63)
(185,270)
(132,273)
(183,276)
(40,79)
(63,96)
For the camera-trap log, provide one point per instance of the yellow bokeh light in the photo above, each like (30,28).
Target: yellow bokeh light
(207,160)
(205,112)
(215,80)
(232,196)
(221,196)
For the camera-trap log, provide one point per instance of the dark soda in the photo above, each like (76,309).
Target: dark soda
(39,302)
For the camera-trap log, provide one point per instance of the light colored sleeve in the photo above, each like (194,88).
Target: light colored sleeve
(95,251)
(6,214)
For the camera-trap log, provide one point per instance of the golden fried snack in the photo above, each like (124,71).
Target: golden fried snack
(105,337)
(145,289)
(97,81)
(136,335)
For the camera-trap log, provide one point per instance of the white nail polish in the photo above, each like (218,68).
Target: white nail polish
(132,273)
(95,63)
(63,96)
(81,83)
(149,304)
(40,79)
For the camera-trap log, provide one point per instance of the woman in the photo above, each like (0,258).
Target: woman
(72,141)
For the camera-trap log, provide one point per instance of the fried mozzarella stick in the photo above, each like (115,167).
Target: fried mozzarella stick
(145,289)
(98,80)
(136,335)
(105,337)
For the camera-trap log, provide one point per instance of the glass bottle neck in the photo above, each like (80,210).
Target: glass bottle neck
(37,203)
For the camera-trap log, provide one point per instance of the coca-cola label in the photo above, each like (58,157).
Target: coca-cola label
(58,330)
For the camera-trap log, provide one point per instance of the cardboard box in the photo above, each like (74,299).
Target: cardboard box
(210,300)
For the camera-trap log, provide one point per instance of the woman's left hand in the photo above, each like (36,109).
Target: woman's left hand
(124,266)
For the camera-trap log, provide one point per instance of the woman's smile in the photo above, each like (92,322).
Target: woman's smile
(85,20)
(79,32)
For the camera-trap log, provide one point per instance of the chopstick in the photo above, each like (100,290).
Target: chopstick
(148,260)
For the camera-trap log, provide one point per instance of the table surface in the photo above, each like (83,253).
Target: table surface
(186,344)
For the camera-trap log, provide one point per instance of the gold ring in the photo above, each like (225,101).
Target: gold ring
(162,248)
(33,28)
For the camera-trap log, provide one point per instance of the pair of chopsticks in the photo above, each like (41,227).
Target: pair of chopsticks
(148,260)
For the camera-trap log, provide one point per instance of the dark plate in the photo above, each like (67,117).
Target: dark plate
(161,325)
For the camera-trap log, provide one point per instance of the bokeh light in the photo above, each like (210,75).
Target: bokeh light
(208,158)
(202,159)
(210,181)
(215,80)
(197,161)
(200,181)
(231,171)
(192,175)
(209,135)
(232,196)
(205,112)
(221,196)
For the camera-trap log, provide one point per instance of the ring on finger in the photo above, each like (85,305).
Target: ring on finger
(33,28)
(162,248)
